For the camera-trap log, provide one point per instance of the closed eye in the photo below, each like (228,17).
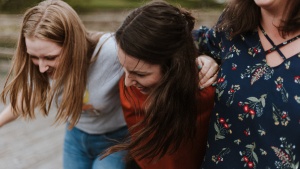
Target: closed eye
(140,75)
(50,57)
(33,57)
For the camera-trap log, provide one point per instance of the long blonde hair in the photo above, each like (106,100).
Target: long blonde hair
(55,21)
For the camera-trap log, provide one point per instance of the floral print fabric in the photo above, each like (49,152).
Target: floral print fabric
(256,119)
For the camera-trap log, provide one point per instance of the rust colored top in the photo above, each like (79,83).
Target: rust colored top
(190,154)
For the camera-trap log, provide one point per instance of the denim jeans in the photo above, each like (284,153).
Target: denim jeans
(81,150)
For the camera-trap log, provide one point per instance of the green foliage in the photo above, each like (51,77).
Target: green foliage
(125,4)
(16,6)
(19,6)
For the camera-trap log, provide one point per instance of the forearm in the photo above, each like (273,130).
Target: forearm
(7,116)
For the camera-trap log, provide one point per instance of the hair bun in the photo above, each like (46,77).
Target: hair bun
(187,16)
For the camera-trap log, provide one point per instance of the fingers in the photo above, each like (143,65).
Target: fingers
(199,63)
(208,72)
(209,82)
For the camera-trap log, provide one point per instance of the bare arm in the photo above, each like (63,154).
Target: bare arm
(7,116)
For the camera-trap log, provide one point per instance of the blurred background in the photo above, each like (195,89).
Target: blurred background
(37,144)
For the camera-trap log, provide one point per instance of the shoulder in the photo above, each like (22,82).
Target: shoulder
(100,37)
(107,40)
(107,36)
(106,44)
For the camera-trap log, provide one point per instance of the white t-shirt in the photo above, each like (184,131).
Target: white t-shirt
(102,111)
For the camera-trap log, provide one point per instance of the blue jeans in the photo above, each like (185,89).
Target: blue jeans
(81,150)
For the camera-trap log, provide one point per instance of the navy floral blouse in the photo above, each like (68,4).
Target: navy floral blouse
(256,119)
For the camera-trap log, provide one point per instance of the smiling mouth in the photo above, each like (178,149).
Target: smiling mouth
(50,73)
(143,90)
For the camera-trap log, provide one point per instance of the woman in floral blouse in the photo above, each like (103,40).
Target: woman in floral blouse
(256,119)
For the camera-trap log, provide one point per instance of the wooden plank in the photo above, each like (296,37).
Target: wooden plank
(4,52)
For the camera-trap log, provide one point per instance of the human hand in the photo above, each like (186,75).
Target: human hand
(208,70)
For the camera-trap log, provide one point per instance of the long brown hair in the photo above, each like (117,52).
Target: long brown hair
(55,21)
(241,16)
(159,33)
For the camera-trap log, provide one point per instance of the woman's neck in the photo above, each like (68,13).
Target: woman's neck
(270,21)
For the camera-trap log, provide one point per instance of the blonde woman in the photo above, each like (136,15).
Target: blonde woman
(58,62)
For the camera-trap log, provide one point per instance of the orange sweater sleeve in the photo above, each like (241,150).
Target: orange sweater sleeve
(190,154)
